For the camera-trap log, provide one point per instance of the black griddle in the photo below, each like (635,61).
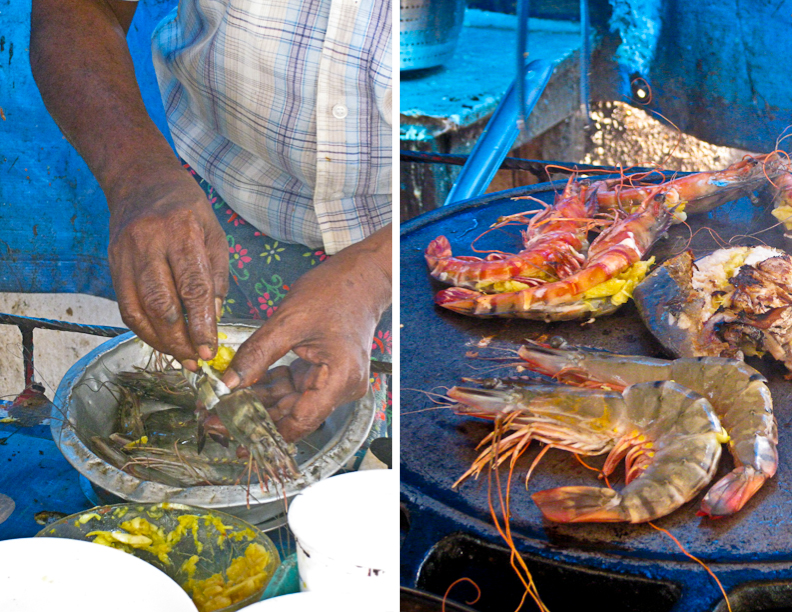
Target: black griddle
(448,533)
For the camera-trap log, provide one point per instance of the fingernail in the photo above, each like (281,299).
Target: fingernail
(205,352)
(190,364)
(219,307)
(231,379)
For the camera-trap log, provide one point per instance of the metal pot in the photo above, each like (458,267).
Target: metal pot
(86,406)
(428,32)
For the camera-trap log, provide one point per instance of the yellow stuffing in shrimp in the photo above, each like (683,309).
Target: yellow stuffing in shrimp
(784,215)
(620,288)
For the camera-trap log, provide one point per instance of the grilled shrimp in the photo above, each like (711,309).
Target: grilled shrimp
(702,191)
(614,251)
(553,247)
(737,392)
(730,303)
(668,435)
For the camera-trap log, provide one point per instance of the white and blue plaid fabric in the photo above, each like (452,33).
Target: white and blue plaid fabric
(284,106)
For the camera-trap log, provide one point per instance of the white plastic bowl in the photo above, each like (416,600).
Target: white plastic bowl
(38,574)
(346,529)
(313,601)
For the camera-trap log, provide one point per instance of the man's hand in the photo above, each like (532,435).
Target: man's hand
(328,319)
(169,257)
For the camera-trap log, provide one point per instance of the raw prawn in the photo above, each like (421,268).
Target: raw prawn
(614,251)
(553,247)
(702,191)
(668,435)
(156,440)
(738,394)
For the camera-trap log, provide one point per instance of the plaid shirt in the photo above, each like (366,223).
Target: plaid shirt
(284,106)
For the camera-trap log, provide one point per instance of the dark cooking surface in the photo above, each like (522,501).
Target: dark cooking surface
(437,446)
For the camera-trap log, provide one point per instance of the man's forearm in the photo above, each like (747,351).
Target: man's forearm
(81,63)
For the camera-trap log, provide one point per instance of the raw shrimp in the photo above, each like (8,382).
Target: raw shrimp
(702,191)
(737,392)
(163,422)
(668,435)
(250,424)
(614,251)
(178,465)
(554,246)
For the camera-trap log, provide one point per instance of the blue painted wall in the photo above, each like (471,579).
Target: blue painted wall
(723,70)
(53,216)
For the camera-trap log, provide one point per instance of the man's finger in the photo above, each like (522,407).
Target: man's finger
(217,249)
(133,316)
(307,415)
(161,305)
(274,386)
(329,388)
(195,288)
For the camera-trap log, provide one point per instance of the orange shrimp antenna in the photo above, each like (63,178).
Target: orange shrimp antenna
(456,582)
(509,220)
(676,128)
(593,469)
(697,560)
(765,158)
(517,562)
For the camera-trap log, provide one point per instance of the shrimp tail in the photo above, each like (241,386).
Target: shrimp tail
(732,492)
(581,505)
(438,249)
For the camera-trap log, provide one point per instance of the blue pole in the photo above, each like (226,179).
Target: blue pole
(498,137)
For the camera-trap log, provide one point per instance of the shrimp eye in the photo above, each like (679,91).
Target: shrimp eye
(557,342)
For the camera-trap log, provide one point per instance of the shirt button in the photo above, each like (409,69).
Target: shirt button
(340,111)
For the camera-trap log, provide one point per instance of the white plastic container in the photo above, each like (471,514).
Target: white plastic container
(314,601)
(346,529)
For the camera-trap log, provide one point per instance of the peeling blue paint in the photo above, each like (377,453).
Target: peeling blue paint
(639,25)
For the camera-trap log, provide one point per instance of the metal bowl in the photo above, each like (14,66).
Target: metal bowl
(428,32)
(85,406)
(215,547)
